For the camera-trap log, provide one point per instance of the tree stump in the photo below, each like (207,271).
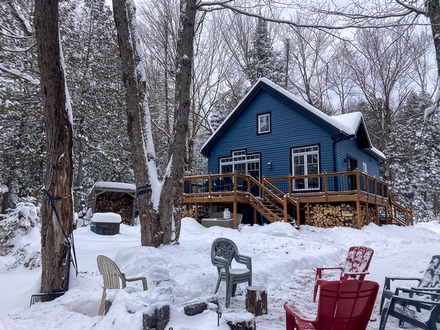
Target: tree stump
(256,300)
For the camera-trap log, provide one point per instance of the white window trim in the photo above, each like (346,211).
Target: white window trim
(314,149)
(240,157)
(259,123)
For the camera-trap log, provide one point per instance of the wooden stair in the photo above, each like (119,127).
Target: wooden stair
(269,204)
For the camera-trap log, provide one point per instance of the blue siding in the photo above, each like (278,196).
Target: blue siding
(290,128)
(349,148)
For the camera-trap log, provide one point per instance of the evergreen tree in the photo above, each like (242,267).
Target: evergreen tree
(93,75)
(21,127)
(413,158)
(263,60)
(225,103)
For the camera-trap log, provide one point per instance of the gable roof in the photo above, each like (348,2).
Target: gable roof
(351,125)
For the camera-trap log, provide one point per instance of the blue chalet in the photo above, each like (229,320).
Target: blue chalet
(290,162)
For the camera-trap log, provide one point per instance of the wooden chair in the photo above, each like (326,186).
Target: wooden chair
(342,305)
(113,278)
(355,267)
(223,252)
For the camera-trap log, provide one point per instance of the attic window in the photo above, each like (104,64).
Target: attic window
(264,123)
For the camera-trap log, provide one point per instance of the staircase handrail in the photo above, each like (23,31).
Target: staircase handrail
(262,206)
(280,192)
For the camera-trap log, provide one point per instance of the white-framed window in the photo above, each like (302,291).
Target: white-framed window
(305,161)
(264,123)
(364,167)
(241,162)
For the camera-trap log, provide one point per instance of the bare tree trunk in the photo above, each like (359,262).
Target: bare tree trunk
(433,13)
(59,167)
(171,197)
(6,195)
(134,82)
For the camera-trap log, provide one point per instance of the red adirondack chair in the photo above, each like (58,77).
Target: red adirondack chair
(355,267)
(342,305)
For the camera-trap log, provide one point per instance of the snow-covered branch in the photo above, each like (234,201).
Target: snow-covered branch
(20,74)
(358,20)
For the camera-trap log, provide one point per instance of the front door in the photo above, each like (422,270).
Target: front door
(352,164)
(254,171)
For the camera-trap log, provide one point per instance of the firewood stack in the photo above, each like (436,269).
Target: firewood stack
(123,207)
(327,215)
(344,215)
(203,212)
(371,216)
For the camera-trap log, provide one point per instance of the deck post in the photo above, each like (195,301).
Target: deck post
(367,213)
(298,213)
(285,208)
(325,186)
(377,215)
(358,182)
(366,186)
(289,184)
(308,213)
(375,190)
(255,216)
(358,211)
(234,207)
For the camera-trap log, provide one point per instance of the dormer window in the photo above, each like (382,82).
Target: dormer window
(264,123)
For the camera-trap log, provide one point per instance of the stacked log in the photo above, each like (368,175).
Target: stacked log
(368,217)
(343,215)
(328,215)
(122,206)
(198,214)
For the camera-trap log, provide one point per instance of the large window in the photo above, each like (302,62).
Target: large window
(305,161)
(241,162)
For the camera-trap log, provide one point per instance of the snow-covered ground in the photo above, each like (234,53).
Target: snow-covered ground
(283,261)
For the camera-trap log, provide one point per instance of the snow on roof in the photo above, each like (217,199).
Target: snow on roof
(378,152)
(349,122)
(115,185)
(346,123)
(108,217)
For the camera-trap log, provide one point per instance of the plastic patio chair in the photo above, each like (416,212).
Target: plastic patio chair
(342,305)
(113,278)
(431,278)
(355,267)
(223,253)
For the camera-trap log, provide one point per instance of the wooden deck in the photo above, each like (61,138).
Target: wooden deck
(275,198)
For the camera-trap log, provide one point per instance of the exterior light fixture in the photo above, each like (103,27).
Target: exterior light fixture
(269,164)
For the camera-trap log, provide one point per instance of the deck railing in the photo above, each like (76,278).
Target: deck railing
(353,185)
(332,184)
(315,185)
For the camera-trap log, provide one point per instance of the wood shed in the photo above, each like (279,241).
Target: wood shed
(117,197)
